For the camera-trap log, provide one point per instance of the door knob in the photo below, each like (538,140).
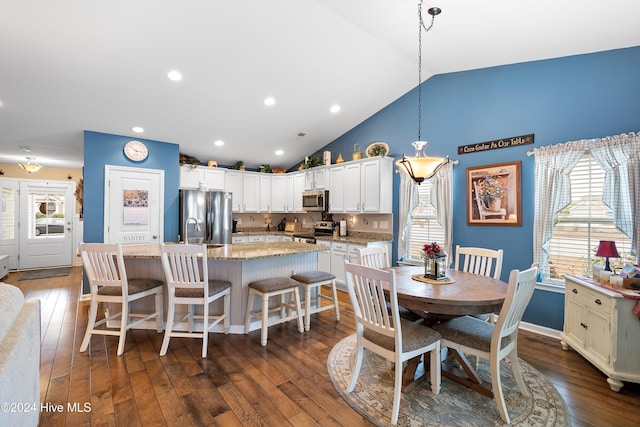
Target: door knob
(155,236)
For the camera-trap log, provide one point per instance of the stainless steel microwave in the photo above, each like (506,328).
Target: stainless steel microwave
(316,200)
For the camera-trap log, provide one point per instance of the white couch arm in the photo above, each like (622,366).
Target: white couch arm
(20,368)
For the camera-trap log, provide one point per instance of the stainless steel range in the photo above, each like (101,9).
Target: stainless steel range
(323,228)
(320,228)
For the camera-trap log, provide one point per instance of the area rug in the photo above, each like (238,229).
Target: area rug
(45,273)
(456,405)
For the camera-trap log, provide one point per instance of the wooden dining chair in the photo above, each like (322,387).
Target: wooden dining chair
(187,274)
(486,262)
(384,333)
(472,336)
(108,283)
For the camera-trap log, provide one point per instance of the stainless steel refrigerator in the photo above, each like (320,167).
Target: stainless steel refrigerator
(205,216)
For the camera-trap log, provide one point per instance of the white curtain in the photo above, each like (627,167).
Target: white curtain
(408,202)
(618,155)
(552,191)
(442,199)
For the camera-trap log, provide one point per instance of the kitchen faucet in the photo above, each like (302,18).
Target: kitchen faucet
(186,227)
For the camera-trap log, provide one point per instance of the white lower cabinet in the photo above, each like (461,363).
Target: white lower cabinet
(600,325)
(340,252)
(338,255)
(324,257)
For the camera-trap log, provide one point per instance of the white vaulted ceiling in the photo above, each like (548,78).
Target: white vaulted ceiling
(73,65)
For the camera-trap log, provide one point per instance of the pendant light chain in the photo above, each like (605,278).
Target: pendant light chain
(433,12)
(420,71)
(421,166)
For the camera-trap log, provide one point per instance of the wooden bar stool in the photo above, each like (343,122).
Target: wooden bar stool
(317,279)
(265,289)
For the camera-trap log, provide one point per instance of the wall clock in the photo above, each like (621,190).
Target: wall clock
(136,151)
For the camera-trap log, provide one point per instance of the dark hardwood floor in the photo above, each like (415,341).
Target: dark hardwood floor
(242,383)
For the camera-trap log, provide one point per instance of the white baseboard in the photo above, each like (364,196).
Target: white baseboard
(541,330)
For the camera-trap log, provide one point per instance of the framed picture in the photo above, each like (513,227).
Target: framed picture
(493,194)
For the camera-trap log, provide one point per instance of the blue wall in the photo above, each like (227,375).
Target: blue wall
(102,149)
(558,100)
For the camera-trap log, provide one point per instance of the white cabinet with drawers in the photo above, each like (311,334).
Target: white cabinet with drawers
(4,266)
(324,256)
(600,325)
(341,251)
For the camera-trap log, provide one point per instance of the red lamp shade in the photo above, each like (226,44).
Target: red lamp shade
(607,248)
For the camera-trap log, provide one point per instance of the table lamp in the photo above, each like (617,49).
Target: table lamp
(607,249)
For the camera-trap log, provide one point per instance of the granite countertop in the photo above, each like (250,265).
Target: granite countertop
(244,251)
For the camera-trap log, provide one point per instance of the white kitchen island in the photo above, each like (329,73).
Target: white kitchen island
(239,264)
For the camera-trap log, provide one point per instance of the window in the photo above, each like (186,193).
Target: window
(582,224)
(424,224)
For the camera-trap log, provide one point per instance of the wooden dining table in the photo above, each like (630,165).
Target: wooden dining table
(460,294)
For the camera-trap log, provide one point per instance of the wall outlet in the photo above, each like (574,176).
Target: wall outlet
(239,220)
(384,224)
(375,224)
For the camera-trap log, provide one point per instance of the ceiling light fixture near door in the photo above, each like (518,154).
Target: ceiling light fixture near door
(30,166)
(137,129)
(218,143)
(335,108)
(269,101)
(421,166)
(174,75)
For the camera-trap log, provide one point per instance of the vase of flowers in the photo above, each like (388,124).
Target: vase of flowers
(434,261)
(491,188)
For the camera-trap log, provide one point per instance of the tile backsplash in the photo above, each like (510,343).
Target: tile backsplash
(371,223)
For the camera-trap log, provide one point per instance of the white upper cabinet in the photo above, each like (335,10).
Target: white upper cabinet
(265,193)
(315,178)
(214,178)
(233,184)
(190,177)
(352,187)
(193,178)
(336,189)
(293,192)
(361,186)
(367,186)
(278,193)
(250,192)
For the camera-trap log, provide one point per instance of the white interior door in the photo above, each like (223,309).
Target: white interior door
(46,223)
(134,205)
(9,216)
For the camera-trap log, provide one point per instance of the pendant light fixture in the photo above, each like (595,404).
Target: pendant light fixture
(30,166)
(421,166)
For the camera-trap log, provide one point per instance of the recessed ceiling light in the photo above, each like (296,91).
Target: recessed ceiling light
(174,75)
(137,129)
(279,152)
(334,108)
(270,101)
(218,143)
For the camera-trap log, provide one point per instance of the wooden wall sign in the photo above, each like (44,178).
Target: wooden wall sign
(513,141)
